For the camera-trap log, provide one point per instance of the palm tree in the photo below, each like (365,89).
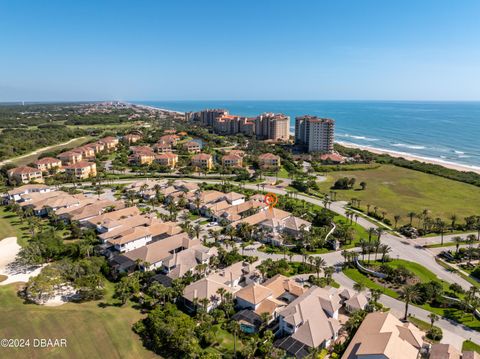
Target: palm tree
(433,318)
(197,229)
(396,218)
(441,228)
(453,218)
(371,232)
(379,231)
(411,215)
(328,272)
(457,240)
(319,263)
(359,287)
(409,293)
(375,295)
(384,249)
(221,292)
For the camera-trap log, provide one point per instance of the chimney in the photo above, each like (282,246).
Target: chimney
(231,279)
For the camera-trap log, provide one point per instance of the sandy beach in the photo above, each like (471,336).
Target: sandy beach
(410,157)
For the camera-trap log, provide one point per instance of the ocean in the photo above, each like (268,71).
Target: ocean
(444,131)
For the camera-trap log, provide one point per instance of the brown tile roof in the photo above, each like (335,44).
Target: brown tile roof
(81,164)
(157,251)
(444,351)
(22,170)
(279,284)
(254,293)
(268,156)
(202,156)
(204,288)
(265,215)
(166,156)
(107,219)
(27,188)
(46,161)
(379,334)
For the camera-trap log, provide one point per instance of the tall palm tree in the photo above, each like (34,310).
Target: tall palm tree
(457,240)
(375,295)
(396,218)
(319,263)
(409,293)
(453,218)
(359,287)
(411,215)
(433,318)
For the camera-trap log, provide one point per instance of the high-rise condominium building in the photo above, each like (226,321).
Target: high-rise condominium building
(315,133)
(271,126)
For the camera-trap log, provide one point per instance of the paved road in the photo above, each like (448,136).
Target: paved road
(446,238)
(404,248)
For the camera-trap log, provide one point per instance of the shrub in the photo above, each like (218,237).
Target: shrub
(435,333)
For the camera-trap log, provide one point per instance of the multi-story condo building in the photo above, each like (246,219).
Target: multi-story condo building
(314,133)
(167,159)
(47,163)
(82,170)
(70,157)
(207,117)
(203,160)
(271,126)
(25,174)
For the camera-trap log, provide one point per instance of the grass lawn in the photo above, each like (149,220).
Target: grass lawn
(29,159)
(91,331)
(445,244)
(424,275)
(399,190)
(468,345)
(360,232)
(10,226)
(224,342)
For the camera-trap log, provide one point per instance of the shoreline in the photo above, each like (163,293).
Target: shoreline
(412,157)
(378,151)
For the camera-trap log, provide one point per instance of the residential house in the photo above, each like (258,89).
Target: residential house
(43,202)
(109,221)
(273,222)
(17,193)
(203,160)
(48,164)
(357,302)
(382,335)
(86,211)
(269,160)
(205,288)
(81,170)
(444,351)
(268,297)
(24,174)
(309,321)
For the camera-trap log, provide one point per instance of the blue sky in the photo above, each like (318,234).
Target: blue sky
(174,50)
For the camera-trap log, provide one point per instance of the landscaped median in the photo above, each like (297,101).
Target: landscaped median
(433,292)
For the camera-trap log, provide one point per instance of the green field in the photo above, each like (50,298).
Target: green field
(91,331)
(424,275)
(398,190)
(26,159)
(468,345)
(10,226)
